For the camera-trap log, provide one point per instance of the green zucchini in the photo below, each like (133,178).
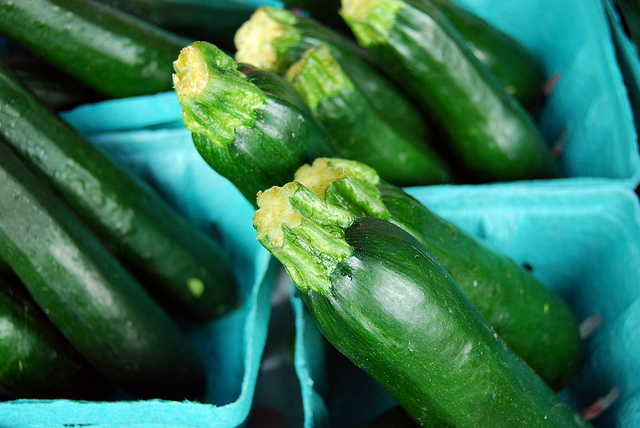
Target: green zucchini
(489,134)
(509,61)
(533,320)
(274,39)
(186,270)
(357,130)
(213,21)
(89,296)
(389,306)
(250,125)
(114,53)
(52,86)
(324,11)
(36,361)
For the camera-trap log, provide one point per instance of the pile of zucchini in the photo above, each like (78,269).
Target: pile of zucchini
(319,123)
(98,271)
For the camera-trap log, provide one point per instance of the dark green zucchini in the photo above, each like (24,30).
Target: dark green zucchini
(274,39)
(388,305)
(52,86)
(516,68)
(214,21)
(110,51)
(357,130)
(534,321)
(185,269)
(250,125)
(36,361)
(96,304)
(489,134)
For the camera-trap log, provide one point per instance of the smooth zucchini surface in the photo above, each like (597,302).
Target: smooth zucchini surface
(110,51)
(357,130)
(534,321)
(36,361)
(96,304)
(490,136)
(386,303)
(184,268)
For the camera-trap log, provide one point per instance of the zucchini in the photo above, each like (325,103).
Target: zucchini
(214,21)
(357,130)
(248,124)
(389,306)
(186,270)
(52,86)
(96,304)
(36,361)
(509,61)
(114,53)
(274,39)
(489,134)
(533,320)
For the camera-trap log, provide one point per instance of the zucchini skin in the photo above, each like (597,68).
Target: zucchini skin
(96,304)
(533,320)
(112,52)
(519,71)
(186,270)
(53,87)
(269,139)
(36,361)
(276,50)
(357,130)
(214,21)
(390,307)
(491,137)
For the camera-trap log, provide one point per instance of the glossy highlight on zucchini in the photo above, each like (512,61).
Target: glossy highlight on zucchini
(112,52)
(182,267)
(533,320)
(490,136)
(388,305)
(89,296)
(357,130)
(250,125)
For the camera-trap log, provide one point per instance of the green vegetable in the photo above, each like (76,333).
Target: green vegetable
(516,68)
(325,11)
(533,320)
(186,270)
(274,39)
(112,52)
(490,135)
(36,361)
(214,21)
(52,86)
(96,304)
(387,304)
(357,130)
(249,124)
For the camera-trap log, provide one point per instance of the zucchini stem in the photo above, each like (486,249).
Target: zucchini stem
(304,233)
(216,98)
(346,183)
